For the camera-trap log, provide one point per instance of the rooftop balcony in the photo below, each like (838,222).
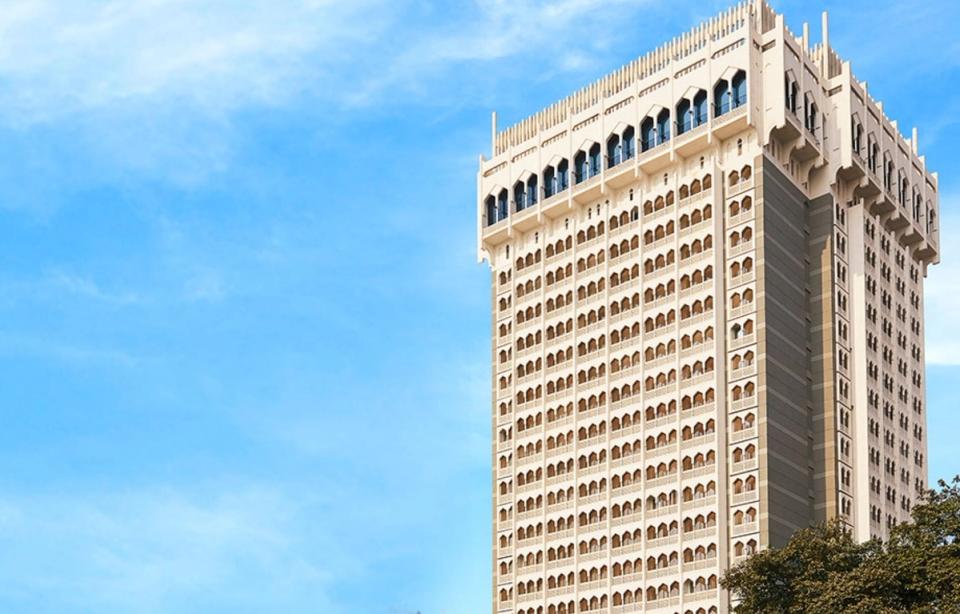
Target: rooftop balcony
(589,179)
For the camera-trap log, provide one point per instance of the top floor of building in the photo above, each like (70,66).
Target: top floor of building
(741,71)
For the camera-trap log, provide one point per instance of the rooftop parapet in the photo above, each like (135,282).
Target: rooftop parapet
(641,68)
(757,13)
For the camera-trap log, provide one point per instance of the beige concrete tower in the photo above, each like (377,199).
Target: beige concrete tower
(707,319)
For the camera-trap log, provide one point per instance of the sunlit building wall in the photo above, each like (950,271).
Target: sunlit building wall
(707,300)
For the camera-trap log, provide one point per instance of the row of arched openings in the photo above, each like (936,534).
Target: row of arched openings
(655,130)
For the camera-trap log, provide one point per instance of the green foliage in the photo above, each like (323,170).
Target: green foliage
(823,570)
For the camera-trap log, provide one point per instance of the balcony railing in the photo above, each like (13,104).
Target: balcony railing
(744,497)
(744,465)
(619,157)
(556,185)
(723,108)
(525,202)
(586,173)
(737,436)
(497,214)
(691,121)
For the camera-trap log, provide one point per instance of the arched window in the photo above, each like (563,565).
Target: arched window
(721,98)
(497,207)
(809,113)
(532,190)
(792,91)
(739,89)
(581,167)
(684,116)
(856,134)
(700,108)
(550,186)
(629,143)
(614,151)
(563,175)
(519,196)
(594,159)
(648,134)
(736,331)
(663,126)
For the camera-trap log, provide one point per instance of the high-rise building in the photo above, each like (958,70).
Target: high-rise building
(707,319)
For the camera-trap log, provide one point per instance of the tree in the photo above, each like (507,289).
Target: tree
(824,570)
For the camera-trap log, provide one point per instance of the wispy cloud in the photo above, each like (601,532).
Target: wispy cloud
(215,56)
(490,31)
(58,59)
(237,280)
(158,550)
(155,87)
(151,87)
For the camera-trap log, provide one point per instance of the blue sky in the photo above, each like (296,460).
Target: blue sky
(243,333)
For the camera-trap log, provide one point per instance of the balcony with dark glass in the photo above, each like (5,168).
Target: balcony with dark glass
(524,203)
(853,166)
(691,124)
(654,133)
(586,166)
(621,149)
(496,212)
(556,180)
(791,127)
(730,105)
(497,208)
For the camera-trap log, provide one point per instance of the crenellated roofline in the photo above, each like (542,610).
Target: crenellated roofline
(757,14)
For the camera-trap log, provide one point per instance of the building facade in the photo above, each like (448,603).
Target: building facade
(707,319)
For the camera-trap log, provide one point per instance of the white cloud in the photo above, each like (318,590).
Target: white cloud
(157,550)
(495,30)
(58,58)
(115,89)
(154,88)
(61,58)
